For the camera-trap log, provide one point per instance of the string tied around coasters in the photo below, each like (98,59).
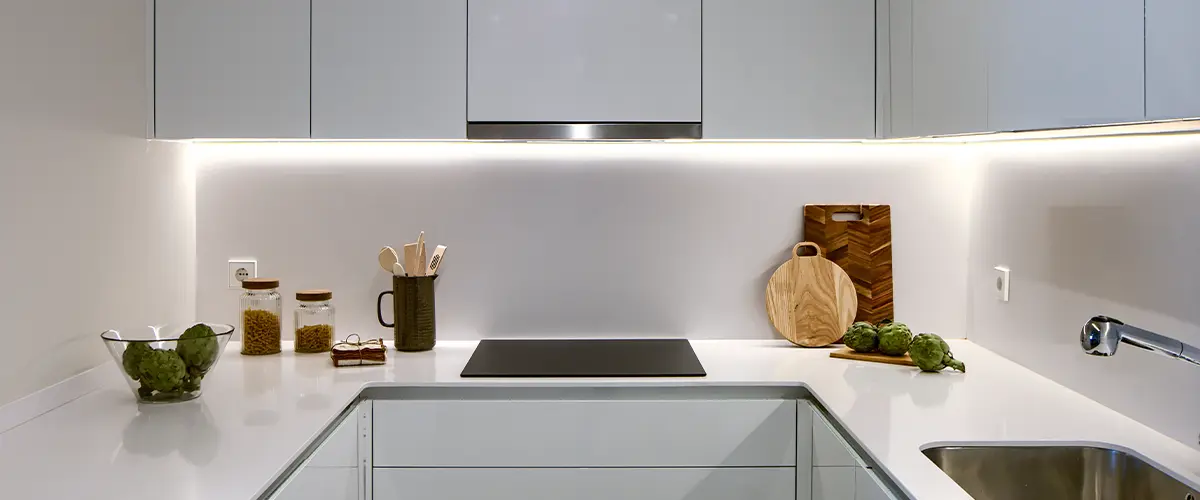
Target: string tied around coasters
(353,351)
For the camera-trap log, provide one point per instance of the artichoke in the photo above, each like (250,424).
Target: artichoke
(197,347)
(862,337)
(932,354)
(132,356)
(162,371)
(894,339)
(190,384)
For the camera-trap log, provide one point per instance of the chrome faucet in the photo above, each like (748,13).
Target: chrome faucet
(1102,335)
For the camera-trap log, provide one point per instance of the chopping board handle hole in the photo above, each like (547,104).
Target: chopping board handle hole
(806,249)
(853,216)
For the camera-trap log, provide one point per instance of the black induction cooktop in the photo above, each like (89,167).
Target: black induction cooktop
(584,358)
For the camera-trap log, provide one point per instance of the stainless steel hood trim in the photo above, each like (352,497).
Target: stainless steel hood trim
(525,131)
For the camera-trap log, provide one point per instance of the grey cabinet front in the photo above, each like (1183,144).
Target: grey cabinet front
(584,60)
(586,484)
(231,69)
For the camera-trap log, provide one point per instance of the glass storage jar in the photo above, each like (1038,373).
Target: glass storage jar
(314,321)
(262,308)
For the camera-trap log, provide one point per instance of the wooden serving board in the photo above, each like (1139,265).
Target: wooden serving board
(874,357)
(810,300)
(862,247)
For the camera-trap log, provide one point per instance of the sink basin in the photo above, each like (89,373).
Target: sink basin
(1055,472)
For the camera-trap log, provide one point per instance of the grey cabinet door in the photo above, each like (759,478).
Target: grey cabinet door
(1172,59)
(634,433)
(789,69)
(938,73)
(231,69)
(833,483)
(584,60)
(389,69)
(1064,63)
(585,484)
(868,487)
(321,483)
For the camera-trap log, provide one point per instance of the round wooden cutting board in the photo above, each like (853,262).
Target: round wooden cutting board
(810,300)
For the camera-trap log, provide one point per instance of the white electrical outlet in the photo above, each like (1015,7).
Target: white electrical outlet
(241,269)
(1003,277)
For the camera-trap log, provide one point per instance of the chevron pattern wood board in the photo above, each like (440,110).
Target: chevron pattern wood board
(863,248)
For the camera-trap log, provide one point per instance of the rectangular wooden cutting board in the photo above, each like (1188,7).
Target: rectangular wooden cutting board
(863,248)
(874,357)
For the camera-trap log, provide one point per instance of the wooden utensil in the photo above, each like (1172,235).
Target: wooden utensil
(398,270)
(435,262)
(421,261)
(863,248)
(810,300)
(874,357)
(387,257)
(410,258)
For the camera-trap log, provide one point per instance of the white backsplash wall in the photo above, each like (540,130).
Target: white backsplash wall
(572,239)
(1094,227)
(96,223)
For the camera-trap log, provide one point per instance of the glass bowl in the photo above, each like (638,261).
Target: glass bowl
(167,363)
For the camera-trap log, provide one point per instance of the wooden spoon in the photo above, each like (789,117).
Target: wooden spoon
(387,257)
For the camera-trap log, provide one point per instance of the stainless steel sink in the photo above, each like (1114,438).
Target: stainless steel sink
(1055,472)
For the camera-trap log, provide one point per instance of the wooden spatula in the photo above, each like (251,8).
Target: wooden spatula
(410,259)
(435,262)
(422,262)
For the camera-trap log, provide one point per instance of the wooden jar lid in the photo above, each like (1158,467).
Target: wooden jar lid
(314,295)
(260,283)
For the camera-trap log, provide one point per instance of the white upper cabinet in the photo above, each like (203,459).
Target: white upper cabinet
(1172,59)
(584,60)
(389,69)
(1064,63)
(231,68)
(938,71)
(789,69)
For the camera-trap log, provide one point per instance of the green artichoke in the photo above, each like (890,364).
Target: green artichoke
(198,349)
(190,384)
(132,356)
(932,354)
(162,371)
(894,339)
(862,337)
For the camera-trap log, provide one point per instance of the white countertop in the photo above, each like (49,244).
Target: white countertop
(258,413)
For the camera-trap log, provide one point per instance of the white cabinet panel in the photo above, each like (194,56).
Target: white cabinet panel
(389,69)
(829,449)
(786,69)
(340,449)
(585,484)
(638,433)
(1064,63)
(833,483)
(321,483)
(584,60)
(868,487)
(1172,59)
(231,69)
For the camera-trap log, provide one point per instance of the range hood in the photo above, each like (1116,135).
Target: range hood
(634,131)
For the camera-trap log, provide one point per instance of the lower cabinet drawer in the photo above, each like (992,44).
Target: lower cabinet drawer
(621,433)
(585,484)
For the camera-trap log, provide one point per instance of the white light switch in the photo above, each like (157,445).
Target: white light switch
(1003,276)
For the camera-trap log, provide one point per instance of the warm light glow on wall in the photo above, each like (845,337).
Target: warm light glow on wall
(216,154)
